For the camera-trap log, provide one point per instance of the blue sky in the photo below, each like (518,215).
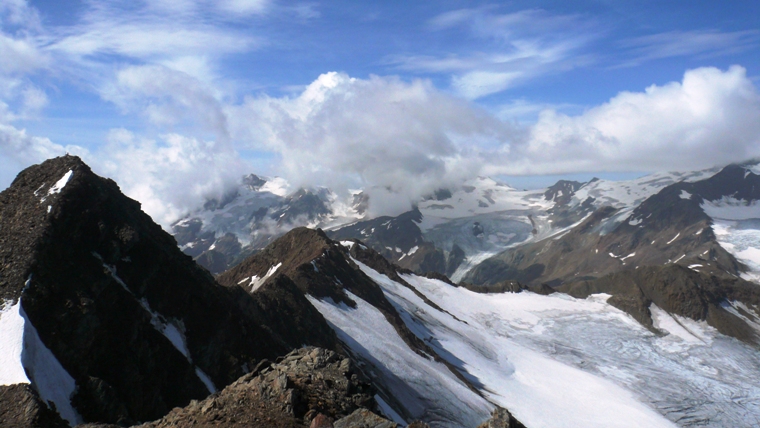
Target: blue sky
(400,95)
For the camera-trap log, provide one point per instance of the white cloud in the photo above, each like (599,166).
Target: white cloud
(710,118)
(400,139)
(476,84)
(170,176)
(244,7)
(19,55)
(167,97)
(383,133)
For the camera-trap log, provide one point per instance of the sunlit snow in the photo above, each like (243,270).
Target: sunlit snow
(557,361)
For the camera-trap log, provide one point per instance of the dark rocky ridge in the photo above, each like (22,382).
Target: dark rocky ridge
(678,290)
(105,279)
(664,228)
(319,267)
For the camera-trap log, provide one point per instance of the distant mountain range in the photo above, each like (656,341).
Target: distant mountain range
(584,304)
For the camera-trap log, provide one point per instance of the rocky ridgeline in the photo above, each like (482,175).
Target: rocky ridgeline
(138,325)
(308,385)
(142,333)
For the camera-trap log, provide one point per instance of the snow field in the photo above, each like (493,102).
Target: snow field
(549,339)
(22,353)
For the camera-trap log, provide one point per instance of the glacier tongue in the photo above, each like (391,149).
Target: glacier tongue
(557,361)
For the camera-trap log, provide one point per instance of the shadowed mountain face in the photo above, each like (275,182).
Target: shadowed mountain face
(137,325)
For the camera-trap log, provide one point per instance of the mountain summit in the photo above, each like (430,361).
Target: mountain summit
(111,322)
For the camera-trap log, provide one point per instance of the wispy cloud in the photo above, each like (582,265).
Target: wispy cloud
(700,43)
(506,49)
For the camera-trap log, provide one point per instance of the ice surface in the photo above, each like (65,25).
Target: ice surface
(22,353)
(685,195)
(741,238)
(729,208)
(481,196)
(538,390)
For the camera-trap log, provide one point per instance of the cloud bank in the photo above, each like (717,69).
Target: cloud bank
(401,140)
(398,138)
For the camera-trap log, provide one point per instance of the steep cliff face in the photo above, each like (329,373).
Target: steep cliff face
(135,325)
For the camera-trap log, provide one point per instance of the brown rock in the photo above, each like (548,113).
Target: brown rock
(501,418)
(321,421)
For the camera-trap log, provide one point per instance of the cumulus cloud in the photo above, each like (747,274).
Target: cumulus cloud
(398,139)
(402,139)
(170,176)
(711,117)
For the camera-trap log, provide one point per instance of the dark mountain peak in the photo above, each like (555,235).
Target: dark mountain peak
(29,208)
(253,181)
(737,181)
(562,191)
(121,309)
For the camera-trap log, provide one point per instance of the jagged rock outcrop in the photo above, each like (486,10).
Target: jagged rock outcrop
(289,393)
(501,418)
(21,407)
(138,325)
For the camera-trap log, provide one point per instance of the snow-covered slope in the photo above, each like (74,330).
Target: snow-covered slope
(556,361)
(24,356)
